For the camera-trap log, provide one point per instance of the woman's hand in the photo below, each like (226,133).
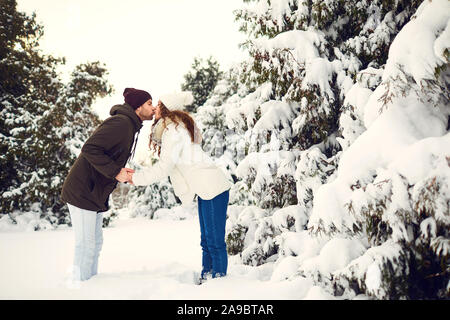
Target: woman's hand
(130,177)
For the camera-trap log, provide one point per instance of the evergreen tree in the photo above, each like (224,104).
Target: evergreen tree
(201,80)
(313,66)
(218,140)
(43,120)
(401,214)
(295,45)
(146,201)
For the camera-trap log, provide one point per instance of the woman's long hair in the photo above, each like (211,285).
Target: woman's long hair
(176,116)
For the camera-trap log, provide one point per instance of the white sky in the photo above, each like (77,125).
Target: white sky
(145,44)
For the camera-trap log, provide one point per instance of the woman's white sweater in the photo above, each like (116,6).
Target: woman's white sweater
(190,169)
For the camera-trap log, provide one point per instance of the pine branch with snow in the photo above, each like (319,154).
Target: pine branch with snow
(45,120)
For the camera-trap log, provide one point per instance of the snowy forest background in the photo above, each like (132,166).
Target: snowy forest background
(335,130)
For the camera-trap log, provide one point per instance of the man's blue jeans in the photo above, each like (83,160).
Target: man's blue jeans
(87,226)
(213,215)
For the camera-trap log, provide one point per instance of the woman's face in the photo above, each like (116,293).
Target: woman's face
(158,111)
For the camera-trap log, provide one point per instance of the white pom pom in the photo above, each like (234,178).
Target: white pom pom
(177,100)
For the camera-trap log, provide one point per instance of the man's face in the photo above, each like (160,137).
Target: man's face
(146,111)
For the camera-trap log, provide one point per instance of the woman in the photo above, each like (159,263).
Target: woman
(177,141)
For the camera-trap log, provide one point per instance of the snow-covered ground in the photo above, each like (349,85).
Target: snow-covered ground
(140,259)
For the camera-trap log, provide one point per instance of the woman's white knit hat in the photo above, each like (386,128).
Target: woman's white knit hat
(177,100)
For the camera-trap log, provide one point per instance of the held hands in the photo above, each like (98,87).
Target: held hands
(125,175)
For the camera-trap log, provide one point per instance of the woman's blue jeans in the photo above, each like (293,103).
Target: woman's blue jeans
(87,226)
(213,215)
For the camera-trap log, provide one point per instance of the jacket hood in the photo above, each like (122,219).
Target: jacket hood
(127,110)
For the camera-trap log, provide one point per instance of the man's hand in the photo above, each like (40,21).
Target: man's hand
(125,175)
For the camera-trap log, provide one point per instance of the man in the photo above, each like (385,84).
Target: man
(95,174)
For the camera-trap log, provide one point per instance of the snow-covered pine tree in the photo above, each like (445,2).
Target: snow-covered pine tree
(18,37)
(201,80)
(44,121)
(219,141)
(395,195)
(305,56)
(144,202)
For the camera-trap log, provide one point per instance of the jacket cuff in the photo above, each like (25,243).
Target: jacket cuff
(115,172)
